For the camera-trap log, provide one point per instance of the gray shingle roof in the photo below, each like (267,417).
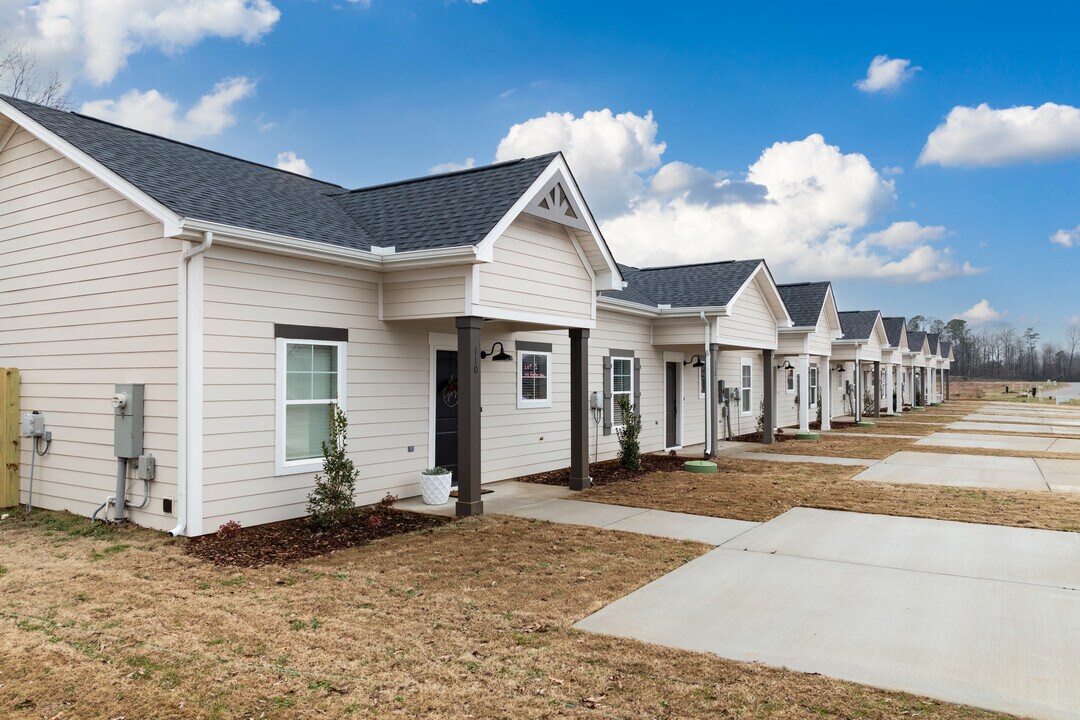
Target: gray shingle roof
(701,285)
(858,324)
(442,210)
(195,183)
(894,328)
(945,347)
(933,339)
(915,341)
(804,301)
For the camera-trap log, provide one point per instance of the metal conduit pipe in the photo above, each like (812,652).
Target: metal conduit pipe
(121,489)
(182,382)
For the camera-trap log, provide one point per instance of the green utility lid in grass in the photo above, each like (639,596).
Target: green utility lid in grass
(705,467)
(865,423)
(809,435)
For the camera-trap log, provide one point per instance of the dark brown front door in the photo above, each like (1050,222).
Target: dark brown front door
(671,397)
(446,401)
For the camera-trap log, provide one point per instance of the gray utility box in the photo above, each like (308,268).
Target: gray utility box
(128,421)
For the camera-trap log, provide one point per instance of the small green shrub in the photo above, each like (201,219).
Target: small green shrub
(332,499)
(760,427)
(629,445)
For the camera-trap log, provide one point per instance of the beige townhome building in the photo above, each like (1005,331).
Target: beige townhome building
(185,322)
(858,390)
(917,359)
(893,363)
(804,374)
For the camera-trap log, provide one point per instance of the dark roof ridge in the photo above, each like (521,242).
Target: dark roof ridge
(805,283)
(452,173)
(700,264)
(175,142)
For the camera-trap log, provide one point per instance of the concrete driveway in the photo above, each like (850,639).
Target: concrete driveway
(1002,473)
(976,614)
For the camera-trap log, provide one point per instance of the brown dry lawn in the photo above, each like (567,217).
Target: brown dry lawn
(995,452)
(869,447)
(760,490)
(893,428)
(468,620)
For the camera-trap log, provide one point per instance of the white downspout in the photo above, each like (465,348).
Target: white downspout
(182,381)
(708,387)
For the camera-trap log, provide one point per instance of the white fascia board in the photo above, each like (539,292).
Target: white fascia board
(629,308)
(167,217)
(457,255)
(285,245)
(524,316)
(695,312)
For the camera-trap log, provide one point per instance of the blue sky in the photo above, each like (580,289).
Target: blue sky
(370,92)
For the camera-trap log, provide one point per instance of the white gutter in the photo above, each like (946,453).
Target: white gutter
(182,387)
(708,387)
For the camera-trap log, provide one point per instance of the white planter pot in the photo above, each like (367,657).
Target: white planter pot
(435,488)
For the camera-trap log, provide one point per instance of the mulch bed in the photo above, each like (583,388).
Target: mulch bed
(610,471)
(755,437)
(293,540)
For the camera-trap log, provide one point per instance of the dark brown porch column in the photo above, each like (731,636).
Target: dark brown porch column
(579,409)
(468,416)
(768,387)
(877,388)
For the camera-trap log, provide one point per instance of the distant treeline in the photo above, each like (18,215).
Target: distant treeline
(1003,352)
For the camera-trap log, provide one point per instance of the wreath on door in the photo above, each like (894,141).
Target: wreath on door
(449,392)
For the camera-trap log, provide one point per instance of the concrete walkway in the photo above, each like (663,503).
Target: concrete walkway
(967,613)
(1002,473)
(1035,420)
(552,503)
(1019,443)
(1020,428)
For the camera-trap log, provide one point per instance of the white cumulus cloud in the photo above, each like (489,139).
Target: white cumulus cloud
(980,312)
(606,151)
(906,233)
(1067,238)
(805,206)
(289,160)
(886,74)
(983,136)
(454,166)
(98,36)
(155,113)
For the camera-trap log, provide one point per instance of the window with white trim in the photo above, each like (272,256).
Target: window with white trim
(789,379)
(310,382)
(747,386)
(813,385)
(622,384)
(534,379)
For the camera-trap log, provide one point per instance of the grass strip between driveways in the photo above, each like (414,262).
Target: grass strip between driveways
(469,619)
(758,490)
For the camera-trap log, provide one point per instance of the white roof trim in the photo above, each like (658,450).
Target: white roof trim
(167,217)
(608,278)
(784,321)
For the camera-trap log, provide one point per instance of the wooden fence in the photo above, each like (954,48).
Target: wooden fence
(9,437)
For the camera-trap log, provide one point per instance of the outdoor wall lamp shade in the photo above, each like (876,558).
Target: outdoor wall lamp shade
(839,368)
(501,356)
(696,360)
(786,366)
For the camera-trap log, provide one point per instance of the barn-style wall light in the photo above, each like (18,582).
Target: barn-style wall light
(500,356)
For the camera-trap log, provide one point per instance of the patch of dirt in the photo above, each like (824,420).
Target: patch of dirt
(609,471)
(872,447)
(289,541)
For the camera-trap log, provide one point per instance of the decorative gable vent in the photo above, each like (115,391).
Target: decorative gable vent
(555,200)
(555,204)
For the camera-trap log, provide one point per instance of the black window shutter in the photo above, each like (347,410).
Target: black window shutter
(607,395)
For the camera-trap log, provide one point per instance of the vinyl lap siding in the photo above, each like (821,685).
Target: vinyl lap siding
(536,268)
(89,300)
(751,323)
(245,294)
(424,293)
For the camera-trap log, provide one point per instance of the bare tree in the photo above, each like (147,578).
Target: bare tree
(21,76)
(1072,341)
